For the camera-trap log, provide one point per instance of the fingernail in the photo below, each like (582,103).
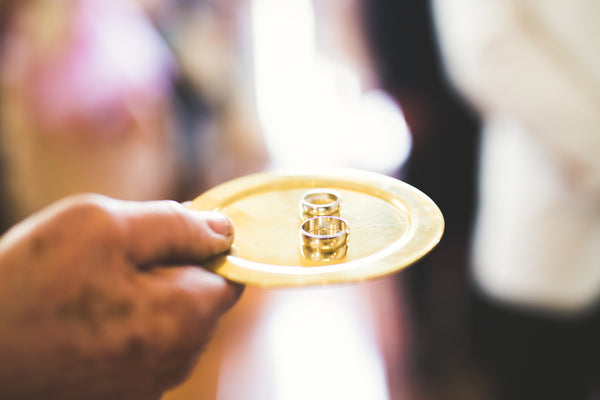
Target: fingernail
(220,224)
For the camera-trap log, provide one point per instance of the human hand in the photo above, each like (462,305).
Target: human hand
(98,298)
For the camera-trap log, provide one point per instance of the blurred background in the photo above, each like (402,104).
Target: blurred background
(164,99)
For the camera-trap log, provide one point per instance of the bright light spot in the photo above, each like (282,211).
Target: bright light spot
(312,111)
(321,347)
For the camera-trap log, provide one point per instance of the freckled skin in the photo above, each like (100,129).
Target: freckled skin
(104,299)
(92,308)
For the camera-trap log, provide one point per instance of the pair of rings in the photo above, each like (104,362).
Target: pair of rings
(324,234)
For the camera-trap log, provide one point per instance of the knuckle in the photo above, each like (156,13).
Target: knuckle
(89,212)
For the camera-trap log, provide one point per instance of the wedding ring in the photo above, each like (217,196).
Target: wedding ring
(320,202)
(324,234)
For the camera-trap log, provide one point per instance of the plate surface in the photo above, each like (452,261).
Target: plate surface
(392,225)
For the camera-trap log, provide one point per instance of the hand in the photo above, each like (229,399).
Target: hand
(98,299)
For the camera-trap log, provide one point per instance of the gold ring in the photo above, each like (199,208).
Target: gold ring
(320,202)
(324,234)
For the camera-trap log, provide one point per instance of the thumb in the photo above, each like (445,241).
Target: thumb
(166,232)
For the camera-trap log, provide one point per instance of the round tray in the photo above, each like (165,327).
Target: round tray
(392,225)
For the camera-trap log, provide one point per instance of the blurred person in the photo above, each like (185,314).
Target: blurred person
(96,100)
(86,91)
(532,70)
(104,299)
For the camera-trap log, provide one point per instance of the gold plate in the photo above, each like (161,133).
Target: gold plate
(392,225)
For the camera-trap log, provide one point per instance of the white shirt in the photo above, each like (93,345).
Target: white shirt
(532,68)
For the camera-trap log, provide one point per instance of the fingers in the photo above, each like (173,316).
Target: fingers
(166,232)
(210,295)
(193,300)
(186,304)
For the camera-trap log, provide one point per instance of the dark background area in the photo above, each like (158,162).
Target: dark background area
(443,165)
